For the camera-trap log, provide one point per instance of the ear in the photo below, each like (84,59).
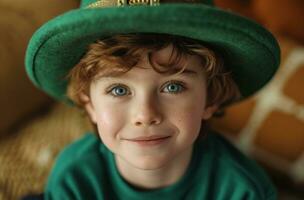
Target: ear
(208,112)
(88,106)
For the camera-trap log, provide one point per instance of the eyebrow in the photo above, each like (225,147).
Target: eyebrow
(185,72)
(176,71)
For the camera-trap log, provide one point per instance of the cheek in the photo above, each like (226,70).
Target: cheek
(190,107)
(109,120)
(188,114)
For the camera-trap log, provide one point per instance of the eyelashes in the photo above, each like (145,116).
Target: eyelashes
(118,90)
(175,87)
(171,87)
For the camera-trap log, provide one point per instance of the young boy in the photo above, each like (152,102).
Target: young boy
(152,76)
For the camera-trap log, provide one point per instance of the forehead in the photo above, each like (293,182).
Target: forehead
(186,65)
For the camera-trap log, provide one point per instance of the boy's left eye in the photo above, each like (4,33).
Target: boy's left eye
(174,87)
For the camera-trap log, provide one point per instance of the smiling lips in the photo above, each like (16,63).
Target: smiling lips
(152,140)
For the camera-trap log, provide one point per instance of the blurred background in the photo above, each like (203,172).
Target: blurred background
(268,127)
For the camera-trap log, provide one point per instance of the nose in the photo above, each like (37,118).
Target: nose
(147,113)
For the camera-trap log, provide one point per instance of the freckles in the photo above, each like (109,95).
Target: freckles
(183,117)
(184,111)
(191,115)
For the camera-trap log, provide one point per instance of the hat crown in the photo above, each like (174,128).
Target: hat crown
(86,3)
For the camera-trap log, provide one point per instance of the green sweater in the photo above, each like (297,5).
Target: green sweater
(86,170)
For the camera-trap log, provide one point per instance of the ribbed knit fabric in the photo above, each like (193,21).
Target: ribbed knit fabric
(87,170)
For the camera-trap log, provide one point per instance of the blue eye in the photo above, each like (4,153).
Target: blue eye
(174,87)
(118,91)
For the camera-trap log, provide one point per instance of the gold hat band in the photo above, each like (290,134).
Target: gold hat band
(109,3)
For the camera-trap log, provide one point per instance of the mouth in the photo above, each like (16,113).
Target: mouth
(153,140)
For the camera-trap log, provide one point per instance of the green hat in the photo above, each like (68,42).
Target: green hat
(250,51)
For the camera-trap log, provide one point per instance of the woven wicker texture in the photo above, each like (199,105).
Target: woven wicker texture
(27,156)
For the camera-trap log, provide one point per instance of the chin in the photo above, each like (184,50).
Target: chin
(149,164)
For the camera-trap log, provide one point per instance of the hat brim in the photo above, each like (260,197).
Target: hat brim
(249,51)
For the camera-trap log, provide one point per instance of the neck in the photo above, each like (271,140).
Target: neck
(156,178)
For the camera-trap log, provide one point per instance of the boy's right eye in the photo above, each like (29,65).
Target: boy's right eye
(118,90)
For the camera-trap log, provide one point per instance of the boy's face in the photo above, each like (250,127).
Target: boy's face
(135,110)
